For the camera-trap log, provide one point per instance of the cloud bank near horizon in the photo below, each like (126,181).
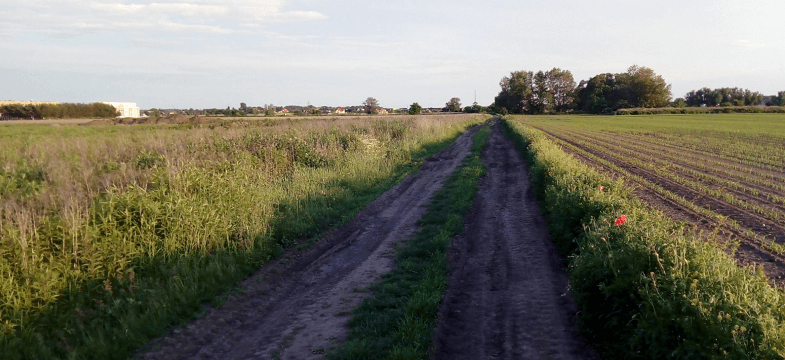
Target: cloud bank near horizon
(209,53)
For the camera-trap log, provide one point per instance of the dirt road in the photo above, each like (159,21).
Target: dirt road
(507,297)
(298,307)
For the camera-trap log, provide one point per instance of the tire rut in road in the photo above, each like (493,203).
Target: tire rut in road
(508,295)
(298,307)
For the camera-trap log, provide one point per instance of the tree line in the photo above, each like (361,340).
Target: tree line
(728,97)
(555,91)
(59,111)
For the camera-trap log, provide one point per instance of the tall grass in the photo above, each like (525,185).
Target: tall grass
(111,234)
(648,288)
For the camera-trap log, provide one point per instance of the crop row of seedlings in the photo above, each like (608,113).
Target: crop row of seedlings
(722,221)
(639,156)
(751,167)
(111,234)
(767,156)
(753,177)
(646,287)
(688,177)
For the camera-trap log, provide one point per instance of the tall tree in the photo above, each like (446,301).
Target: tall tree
(600,94)
(562,86)
(454,105)
(645,88)
(415,109)
(536,93)
(370,105)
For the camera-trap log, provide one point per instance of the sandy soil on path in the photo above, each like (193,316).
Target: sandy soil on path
(298,307)
(508,294)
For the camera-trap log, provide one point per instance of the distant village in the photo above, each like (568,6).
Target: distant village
(131,110)
(291,110)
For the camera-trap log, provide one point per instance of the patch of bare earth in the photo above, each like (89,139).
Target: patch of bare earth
(508,294)
(297,307)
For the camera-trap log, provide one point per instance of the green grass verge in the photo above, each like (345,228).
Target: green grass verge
(647,289)
(397,321)
(110,317)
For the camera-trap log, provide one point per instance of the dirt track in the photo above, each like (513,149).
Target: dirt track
(298,307)
(508,296)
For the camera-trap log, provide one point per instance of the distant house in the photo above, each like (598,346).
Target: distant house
(340,110)
(283,111)
(381,111)
(129,110)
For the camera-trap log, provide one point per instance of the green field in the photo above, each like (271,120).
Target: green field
(110,234)
(650,287)
(728,169)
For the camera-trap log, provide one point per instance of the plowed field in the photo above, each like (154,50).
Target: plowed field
(718,172)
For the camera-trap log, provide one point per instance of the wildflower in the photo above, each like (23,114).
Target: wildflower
(600,187)
(621,220)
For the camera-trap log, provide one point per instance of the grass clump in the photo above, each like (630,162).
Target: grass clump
(647,288)
(109,237)
(397,321)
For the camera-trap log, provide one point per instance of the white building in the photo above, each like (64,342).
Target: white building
(126,109)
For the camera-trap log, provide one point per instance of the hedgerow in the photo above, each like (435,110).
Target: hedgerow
(647,287)
(701,110)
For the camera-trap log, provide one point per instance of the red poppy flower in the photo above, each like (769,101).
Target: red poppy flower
(621,220)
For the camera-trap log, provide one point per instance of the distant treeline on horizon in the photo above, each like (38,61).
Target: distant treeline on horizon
(555,91)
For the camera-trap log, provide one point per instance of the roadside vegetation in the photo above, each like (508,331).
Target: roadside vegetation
(111,234)
(647,287)
(397,321)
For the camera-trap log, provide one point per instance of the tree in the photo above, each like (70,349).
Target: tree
(515,91)
(454,105)
(562,86)
(780,99)
(537,93)
(644,88)
(679,103)
(370,105)
(723,97)
(269,109)
(154,113)
(415,109)
(243,106)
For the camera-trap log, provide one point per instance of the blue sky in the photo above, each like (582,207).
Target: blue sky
(210,53)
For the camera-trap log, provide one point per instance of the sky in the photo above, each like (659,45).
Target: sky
(214,54)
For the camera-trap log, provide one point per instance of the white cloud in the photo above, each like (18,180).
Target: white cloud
(68,17)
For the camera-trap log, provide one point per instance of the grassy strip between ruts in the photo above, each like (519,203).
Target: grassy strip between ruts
(397,321)
(646,288)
